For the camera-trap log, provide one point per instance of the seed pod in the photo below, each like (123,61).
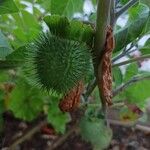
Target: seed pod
(56,64)
(72,99)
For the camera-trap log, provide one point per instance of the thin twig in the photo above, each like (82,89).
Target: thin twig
(125,8)
(62,139)
(136,124)
(131,60)
(143,128)
(28,135)
(122,123)
(124,52)
(91,86)
(120,88)
(128,83)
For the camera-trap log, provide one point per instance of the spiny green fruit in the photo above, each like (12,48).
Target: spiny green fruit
(56,64)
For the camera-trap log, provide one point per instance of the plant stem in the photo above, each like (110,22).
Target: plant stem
(103,12)
(131,60)
(103,8)
(128,83)
(62,139)
(91,86)
(125,8)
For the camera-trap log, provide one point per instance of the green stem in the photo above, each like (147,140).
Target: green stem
(103,12)
(103,8)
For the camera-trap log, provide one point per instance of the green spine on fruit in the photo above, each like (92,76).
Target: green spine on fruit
(56,64)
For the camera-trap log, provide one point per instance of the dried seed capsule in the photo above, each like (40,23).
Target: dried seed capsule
(72,99)
(106,79)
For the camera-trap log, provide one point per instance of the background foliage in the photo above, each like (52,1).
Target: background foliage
(21,21)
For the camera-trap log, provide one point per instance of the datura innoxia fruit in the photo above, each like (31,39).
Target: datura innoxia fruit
(56,64)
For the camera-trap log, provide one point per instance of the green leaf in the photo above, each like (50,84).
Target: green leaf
(4,76)
(147,27)
(94,2)
(57,118)
(138,17)
(25,101)
(7,7)
(121,39)
(5,47)
(131,71)
(46,4)
(26,28)
(94,130)
(29,19)
(146,48)
(117,76)
(138,93)
(18,55)
(14,60)
(67,7)
(127,114)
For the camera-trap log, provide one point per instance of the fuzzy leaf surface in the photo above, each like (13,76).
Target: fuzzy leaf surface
(25,101)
